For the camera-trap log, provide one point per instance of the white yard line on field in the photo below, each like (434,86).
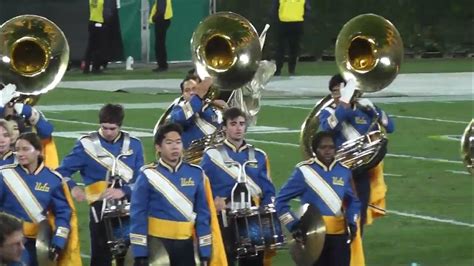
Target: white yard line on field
(429,119)
(458,172)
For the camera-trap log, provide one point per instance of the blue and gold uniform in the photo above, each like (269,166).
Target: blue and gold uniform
(350,123)
(170,203)
(197,118)
(224,177)
(29,196)
(327,188)
(7,158)
(92,157)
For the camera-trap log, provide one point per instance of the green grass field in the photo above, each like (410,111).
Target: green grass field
(440,191)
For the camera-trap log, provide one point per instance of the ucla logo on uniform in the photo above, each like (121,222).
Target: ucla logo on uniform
(42,187)
(360,120)
(338,181)
(187,182)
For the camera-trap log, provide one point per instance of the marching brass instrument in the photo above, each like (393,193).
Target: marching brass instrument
(34,54)
(369,50)
(467,147)
(226,47)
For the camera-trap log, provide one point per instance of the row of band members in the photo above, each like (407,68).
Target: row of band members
(170,198)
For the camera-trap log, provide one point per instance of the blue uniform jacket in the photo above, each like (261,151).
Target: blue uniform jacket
(332,118)
(223,179)
(154,211)
(46,187)
(337,176)
(197,118)
(8,158)
(92,170)
(43,127)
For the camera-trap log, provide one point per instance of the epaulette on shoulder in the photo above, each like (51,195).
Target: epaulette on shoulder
(196,166)
(86,135)
(260,150)
(309,161)
(148,166)
(56,174)
(343,166)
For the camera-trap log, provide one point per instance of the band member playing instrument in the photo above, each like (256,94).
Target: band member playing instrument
(30,191)
(169,203)
(327,185)
(197,116)
(96,156)
(350,119)
(224,177)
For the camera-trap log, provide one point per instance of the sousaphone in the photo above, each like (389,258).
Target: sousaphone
(369,50)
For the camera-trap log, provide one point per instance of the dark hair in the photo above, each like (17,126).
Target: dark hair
(336,80)
(165,129)
(8,225)
(20,121)
(111,113)
(33,139)
(232,113)
(318,137)
(188,77)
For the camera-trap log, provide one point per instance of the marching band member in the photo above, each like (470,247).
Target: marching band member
(94,156)
(223,178)
(6,153)
(348,120)
(32,192)
(169,202)
(26,118)
(327,185)
(197,116)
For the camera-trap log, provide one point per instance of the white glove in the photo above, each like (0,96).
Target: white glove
(348,91)
(18,108)
(7,94)
(366,103)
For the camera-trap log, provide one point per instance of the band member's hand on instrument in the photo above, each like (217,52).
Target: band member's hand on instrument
(220,203)
(298,234)
(351,232)
(78,194)
(53,253)
(113,193)
(366,103)
(202,88)
(221,104)
(348,91)
(141,261)
(7,94)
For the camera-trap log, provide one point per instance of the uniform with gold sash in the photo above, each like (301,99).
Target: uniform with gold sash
(329,189)
(223,177)
(170,203)
(32,197)
(350,123)
(93,157)
(196,117)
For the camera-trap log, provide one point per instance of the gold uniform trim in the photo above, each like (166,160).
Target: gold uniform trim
(169,229)
(94,191)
